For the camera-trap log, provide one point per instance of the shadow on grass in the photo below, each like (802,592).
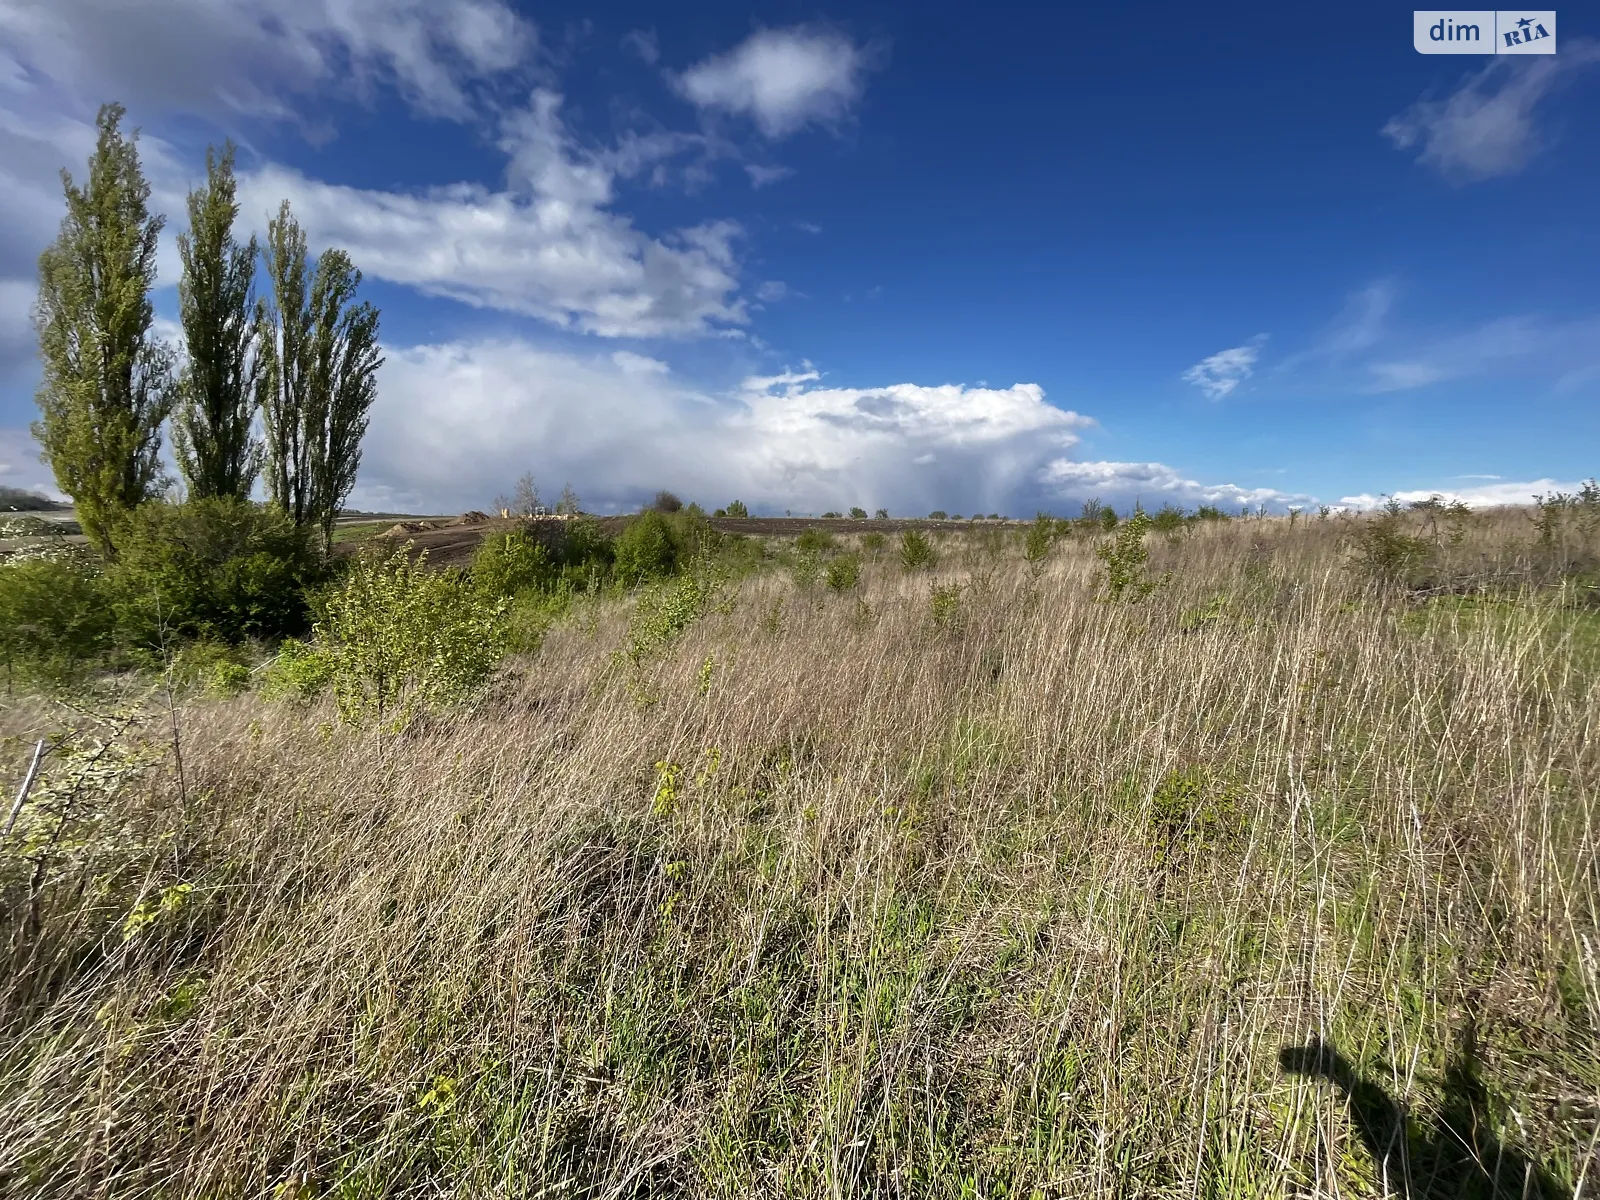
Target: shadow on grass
(1456,1157)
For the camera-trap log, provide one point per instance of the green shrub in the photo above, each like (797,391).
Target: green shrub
(1386,553)
(815,541)
(806,567)
(938,514)
(1125,557)
(844,573)
(666,502)
(663,612)
(644,549)
(509,563)
(881,515)
(916,551)
(874,543)
(54,620)
(300,672)
(944,608)
(858,514)
(830,516)
(400,639)
(737,509)
(219,569)
(1040,537)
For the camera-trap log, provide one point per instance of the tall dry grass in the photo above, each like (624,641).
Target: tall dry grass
(1029,904)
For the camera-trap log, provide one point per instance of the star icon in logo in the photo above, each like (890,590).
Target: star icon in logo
(1525,22)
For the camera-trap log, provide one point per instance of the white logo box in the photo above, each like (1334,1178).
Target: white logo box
(1484,31)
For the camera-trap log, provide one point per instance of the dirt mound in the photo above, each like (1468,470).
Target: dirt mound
(405,527)
(471,518)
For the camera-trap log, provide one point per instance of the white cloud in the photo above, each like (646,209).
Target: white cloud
(782,79)
(1154,484)
(209,56)
(1487,496)
(458,421)
(761,176)
(1486,126)
(642,44)
(1225,370)
(20,466)
(771,290)
(1502,345)
(548,246)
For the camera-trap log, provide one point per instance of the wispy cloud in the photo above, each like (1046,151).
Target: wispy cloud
(783,79)
(1222,372)
(1507,344)
(1486,127)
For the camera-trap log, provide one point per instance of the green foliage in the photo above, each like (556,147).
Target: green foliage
(1210,512)
(916,551)
(830,516)
(805,568)
(815,541)
(510,562)
(844,573)
(873,543)
(211,424)
(938,514)
(858,514)
(945,609)
(219,568)
(644,549)
(737,509)
(666,502)
(1170,519)
(107,379)
(881,514)
(663,612)
(300,672)
(54,619)
(1040,537)
(400,640)
(1386,553)
(1193,812)
(1125,558)
(319,363)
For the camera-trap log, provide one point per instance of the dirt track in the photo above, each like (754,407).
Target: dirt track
(453,545)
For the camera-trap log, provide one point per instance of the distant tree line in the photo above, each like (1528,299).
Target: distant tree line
(303,354)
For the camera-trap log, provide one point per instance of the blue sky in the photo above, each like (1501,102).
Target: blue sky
(994,258)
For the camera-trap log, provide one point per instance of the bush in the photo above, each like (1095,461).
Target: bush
(54,619)
(399,639)
(644,549)
(219,569)
(830,516)
(1386,553)
(666,502)
(844,573)
(508,563)
(858,514)
(916,551)
(1125,557)
(944,608)
(938,514)
(1040,537)
(881,515)
(874,543)
(815,541)
(737,509)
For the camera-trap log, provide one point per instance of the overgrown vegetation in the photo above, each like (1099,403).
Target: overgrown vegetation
(961,883)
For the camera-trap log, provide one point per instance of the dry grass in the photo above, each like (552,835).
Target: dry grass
(1023,906)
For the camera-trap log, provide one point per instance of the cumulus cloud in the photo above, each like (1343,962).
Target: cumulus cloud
(1153,484)
(207,57)
(1225,370)
(1487,496)
(782,79)
(1486,126)
(548,246)
(458,421)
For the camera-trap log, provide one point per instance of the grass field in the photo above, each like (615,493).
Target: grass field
(963,883)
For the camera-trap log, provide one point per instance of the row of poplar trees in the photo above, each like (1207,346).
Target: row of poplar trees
(304,355)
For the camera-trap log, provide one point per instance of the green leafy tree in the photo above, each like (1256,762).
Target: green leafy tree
(216,399)
(644,549)
(318,376)
(1125,557)
(107,383)
(858,513)
(737,509)
(218,568)
(397,639)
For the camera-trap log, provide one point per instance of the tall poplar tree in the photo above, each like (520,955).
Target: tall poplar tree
(107,383)
(211,427)
(319,363)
